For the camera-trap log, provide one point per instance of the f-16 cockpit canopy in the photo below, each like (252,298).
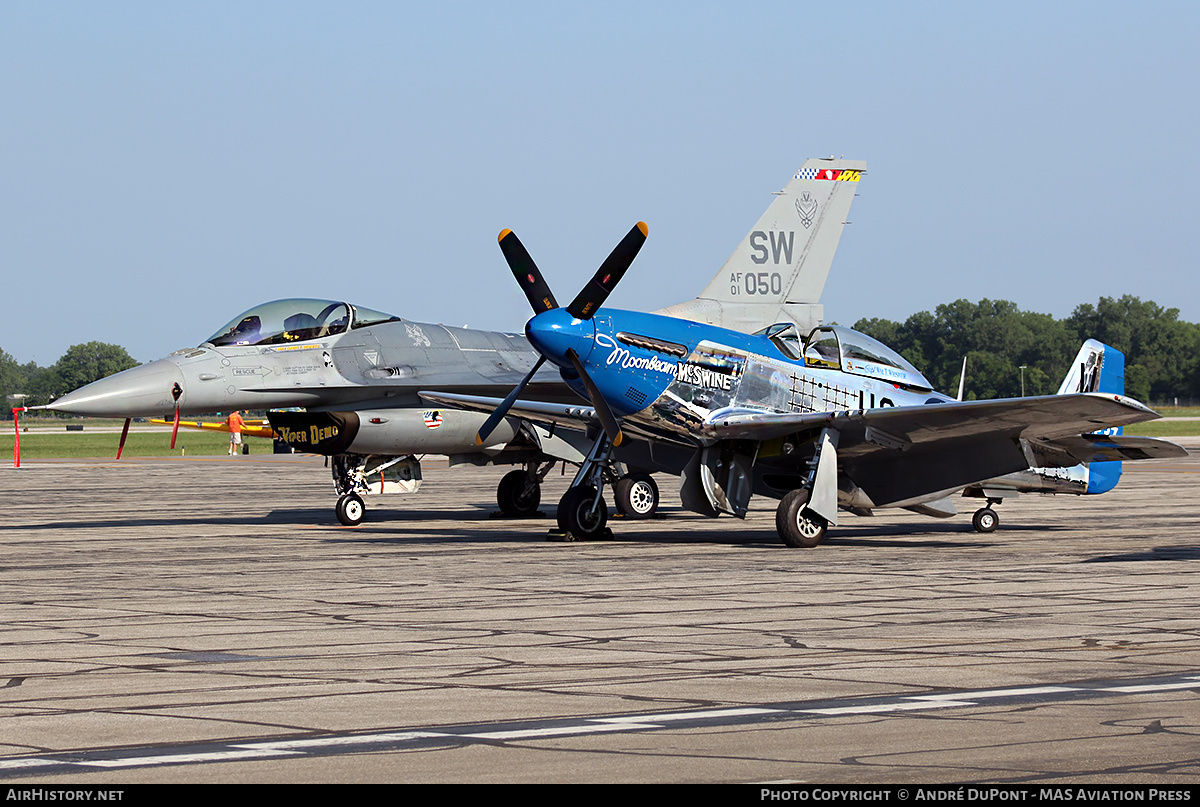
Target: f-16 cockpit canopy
(846,350)
(294,320)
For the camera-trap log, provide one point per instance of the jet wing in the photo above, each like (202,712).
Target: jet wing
(572,416)
(575,416)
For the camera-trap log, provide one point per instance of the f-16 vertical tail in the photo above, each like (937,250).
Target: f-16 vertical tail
(778,272)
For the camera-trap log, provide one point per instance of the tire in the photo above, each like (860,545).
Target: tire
(798,527)
(351,510)
(636,496)
(516,497)
(575,514)
(985,520)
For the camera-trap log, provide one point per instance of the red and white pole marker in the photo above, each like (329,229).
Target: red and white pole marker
(124,434)
(175,429)
(17,410)
(176,391)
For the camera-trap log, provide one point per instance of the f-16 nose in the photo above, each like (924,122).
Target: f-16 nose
(139,392)
(553,332)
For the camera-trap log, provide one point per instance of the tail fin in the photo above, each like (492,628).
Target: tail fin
(1098,368)
(778,272)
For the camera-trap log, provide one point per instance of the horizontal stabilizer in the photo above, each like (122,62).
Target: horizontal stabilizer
(1064,452)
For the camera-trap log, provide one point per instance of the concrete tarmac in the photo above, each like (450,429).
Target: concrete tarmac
(208,620)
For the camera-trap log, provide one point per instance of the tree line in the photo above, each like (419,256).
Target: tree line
(1161,351)
(80,365)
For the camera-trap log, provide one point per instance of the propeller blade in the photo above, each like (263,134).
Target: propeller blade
(537,290)
(494,419)
(607,419)
(594,294)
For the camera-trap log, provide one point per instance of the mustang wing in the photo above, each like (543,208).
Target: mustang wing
(1043,418)
(903,453)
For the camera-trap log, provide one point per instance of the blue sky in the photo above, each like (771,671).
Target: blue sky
(164,166)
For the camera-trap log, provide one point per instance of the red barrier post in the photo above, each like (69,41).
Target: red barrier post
(17,442)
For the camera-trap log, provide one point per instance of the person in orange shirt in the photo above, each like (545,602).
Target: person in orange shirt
(235,423)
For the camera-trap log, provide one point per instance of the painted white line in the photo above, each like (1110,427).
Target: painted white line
(175,759)
(560,731)
(11,764)
(326,742)
(995,693)
(1151,687)
(689,715)
(876,708)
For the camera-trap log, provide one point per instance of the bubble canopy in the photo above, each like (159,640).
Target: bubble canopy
(294,320)
(847,350)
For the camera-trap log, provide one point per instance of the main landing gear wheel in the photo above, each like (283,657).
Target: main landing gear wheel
(985,520)
(797,526)
(577,516)
(351,510)
(636,496)
(517,497)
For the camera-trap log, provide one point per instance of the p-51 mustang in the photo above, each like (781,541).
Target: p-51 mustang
(833,420)
(357,371)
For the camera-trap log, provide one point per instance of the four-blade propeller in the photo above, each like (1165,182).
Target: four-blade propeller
(582,308)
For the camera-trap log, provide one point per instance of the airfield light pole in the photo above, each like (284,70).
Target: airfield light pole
(1023,366)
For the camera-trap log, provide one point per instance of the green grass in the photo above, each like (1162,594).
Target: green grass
(1177,411)
(1163,428)
(43,445)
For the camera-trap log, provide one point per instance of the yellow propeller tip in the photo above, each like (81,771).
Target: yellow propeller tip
(505,233)
(641,225)
(478,439)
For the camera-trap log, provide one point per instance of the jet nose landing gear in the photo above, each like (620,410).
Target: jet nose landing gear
(985,519)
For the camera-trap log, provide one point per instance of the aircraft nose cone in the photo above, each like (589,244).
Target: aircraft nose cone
(139,392)
(553,332)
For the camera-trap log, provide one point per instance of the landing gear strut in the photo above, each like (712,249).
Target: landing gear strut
(359,475)
(804,515)
(582,511)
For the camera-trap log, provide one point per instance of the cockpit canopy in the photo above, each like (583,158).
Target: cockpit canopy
(846,350)
(295,320)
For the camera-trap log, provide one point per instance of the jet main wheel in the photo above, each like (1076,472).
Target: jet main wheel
(517,497)
(798,527)
(636,496)
(985,520)
(351,510)
(576,515)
